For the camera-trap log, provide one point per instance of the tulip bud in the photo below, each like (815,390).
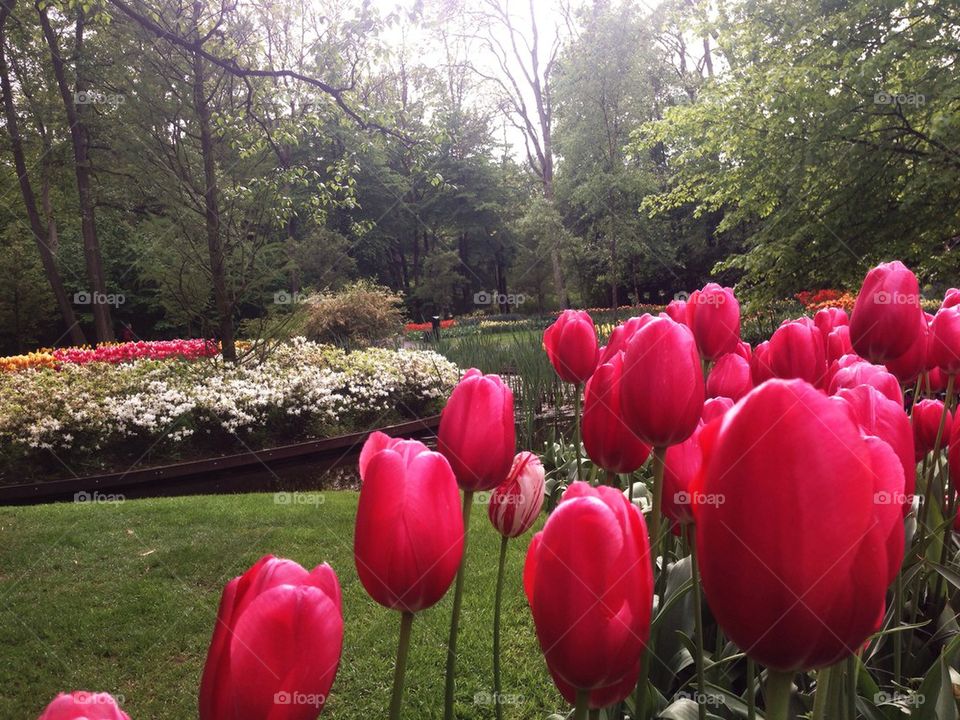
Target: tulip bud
(877,414)
(760,370)
(408,539)
(951,298)
(884,321)
(909,366)
(662,391)
(593,546)
(925,418)
(838,344)
(571,345)
(715,407)
(799,457)
(279,634)
(863,373)
(713,314)
(945,340)
(829,319)
(680,467)
(477,434)
(516,503)
(796,351)
(621,336)
(677,310)
(606,437)
(82,705)
(729,377)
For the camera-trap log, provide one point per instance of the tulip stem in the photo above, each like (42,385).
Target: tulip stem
(751,689)
(947,486)
(403,646)
(449,687)
(698,624)
(497,688)
(822,694)
(595,714)
(659,454)
(852,686)
(576,420)
(898,636)
(779,685)
(583,701)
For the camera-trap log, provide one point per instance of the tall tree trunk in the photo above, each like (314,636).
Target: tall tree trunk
(211,200)
(26,190)
(558,280)
(80,139)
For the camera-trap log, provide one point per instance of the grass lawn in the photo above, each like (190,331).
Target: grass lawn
(122,597)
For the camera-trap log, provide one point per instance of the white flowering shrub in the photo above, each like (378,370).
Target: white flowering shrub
(82,417)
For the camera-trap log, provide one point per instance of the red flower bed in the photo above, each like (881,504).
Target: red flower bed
(425,327)
(125,352)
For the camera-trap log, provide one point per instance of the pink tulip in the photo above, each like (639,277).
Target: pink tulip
(729,377)
(477,434)
(571,345)
(884,321)
(796,351)
(408,539)
(945,340)
(838,344)
(713,314)
(606,437)
(829,319)
(276,645)
(82,705)
(863,373)
(516,503)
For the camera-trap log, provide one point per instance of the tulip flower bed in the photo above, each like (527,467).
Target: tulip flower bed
(759,532)
(90,415)
(113,353)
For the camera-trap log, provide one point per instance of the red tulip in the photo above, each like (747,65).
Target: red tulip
(743,350)
(925,418)
(516,503)
(935,380)
(408,539)
(884,321)
(863,373)
(601,697)
(276,645)
(662,392)
(829,319)
(909,366)
(760,370)
(838,344)
(890,505)
(729,377)
(945,340)
(795,552)
(879,415)
(953,457)
(571,344)
(715,407)
(83,705)
(680,467)
(714,316)
(621,336)
(477,434)
(677,310)
(796,351)
(607,439)
(594,546)
(951,298)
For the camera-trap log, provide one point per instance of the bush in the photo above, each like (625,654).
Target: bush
(359,315)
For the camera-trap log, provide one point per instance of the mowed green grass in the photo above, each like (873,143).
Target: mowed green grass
(122,597)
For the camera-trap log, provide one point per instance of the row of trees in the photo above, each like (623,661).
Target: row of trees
(175,167)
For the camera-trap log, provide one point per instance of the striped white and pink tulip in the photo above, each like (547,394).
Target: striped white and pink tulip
(516,503)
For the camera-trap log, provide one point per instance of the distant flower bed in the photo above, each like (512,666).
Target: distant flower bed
(427,327)
(108,415)
(113,353)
